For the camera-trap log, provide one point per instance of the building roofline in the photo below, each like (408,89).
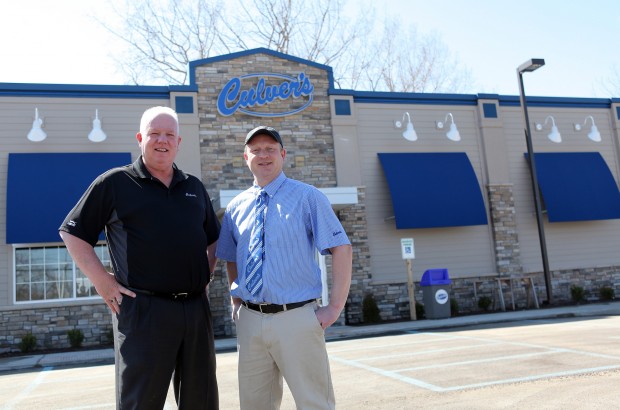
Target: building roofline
(262,50)
(90,90)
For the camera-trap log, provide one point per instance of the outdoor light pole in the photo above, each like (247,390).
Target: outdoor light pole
(530,66)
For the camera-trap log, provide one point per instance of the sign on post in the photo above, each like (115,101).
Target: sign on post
(407,248)
(408,251)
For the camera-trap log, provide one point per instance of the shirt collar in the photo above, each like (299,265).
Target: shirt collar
(142,172)
(272,187)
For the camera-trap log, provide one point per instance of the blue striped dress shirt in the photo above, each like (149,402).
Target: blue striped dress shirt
(299,221)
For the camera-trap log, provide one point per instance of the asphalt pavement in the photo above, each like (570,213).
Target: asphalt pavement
(106,355)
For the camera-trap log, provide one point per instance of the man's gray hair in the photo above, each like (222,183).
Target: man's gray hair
(153,112)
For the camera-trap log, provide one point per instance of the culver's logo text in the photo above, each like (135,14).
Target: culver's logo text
(234,98)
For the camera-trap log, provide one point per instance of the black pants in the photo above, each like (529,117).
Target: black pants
(158,339)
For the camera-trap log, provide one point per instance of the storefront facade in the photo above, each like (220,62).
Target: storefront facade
(466,200)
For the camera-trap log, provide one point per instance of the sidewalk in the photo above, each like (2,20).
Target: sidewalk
(106,356)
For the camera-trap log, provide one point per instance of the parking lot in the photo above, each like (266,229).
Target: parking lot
(546,364)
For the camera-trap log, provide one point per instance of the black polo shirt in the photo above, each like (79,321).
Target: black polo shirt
(157,236)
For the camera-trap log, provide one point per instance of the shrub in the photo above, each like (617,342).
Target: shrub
(110,336)
(484,302)
(577,293)
(28,343)
(370,310)
(76,337)
(419,311)
(454,307)
(607,293)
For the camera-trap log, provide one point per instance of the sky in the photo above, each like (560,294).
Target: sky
(59,42)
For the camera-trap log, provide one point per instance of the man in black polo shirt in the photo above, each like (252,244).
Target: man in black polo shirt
(161,232)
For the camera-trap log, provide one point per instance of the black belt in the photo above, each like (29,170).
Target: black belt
(271,308)
(173,296)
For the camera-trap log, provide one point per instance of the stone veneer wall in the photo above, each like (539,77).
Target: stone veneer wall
(307,136)
(591,279)
(50,325)
(219,301)
(503,214)
(353,219)
(393,299)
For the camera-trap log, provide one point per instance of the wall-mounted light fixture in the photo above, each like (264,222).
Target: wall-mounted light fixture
(594,135)
(97,134)
(37,134)
(554,135)
(453,134)
(409,133)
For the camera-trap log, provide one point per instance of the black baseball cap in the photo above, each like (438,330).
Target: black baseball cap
(264,130)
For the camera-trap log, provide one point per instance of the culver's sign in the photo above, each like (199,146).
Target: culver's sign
(234,98)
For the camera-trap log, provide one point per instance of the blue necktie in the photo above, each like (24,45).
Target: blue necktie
(254,266)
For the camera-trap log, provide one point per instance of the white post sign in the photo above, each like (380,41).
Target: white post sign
(407,248)
(408,251)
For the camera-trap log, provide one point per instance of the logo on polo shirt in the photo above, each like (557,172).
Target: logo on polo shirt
(71,223)
(192,195)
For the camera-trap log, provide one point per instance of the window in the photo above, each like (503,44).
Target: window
(48,273)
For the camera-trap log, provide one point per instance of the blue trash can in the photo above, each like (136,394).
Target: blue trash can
(435,285)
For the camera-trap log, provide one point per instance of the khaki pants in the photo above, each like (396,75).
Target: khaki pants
(288,344)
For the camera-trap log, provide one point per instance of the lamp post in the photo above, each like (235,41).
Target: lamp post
(529,66)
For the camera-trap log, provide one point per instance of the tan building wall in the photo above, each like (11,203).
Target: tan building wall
(336,150)
(67,122)
(476,255)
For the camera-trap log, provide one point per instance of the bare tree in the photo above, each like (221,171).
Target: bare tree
(163,36)
(611,84)
(315,32)
(406,61)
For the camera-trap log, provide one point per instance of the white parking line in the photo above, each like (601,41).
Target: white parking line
(535,346)
(24,393)
(532,378)
(541,350)
(424,352)
(419,383)
(467,362)
(383,346)
(388,373)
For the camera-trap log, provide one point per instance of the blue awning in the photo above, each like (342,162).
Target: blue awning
(431,190)
(43,187)
(577,186)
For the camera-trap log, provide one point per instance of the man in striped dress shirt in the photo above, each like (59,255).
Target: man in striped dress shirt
(280,324)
